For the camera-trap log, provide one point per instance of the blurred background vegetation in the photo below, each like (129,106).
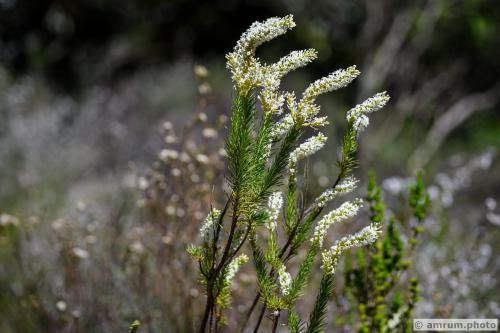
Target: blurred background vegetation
(90,229)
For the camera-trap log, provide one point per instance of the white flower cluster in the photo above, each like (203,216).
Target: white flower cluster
(291,62)
(348,185)
(304,111)
(336,80)
(272,101)
(248,72)
(317,122)
(207,226)
(358,114)
(346,210)
(261,32)
(274,203)
(8,220)
(282,126)
(367,235)
(246,69)
(168,154)
(309,147)
(234,266)
(396,319)
(284,280)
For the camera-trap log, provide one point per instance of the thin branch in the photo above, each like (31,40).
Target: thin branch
(276,320)
(452,118)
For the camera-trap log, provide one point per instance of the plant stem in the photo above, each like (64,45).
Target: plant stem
(282,253)
(259,321)
(276,321)
(208,308)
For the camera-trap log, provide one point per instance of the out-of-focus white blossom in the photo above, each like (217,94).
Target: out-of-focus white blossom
(396,185)
(396,319)
(175,172)
(275,202)
(493,218)
(367,235)
(61,306)
(167,154)
(170,139)
(209,132)
(208,224)
(137,247)
(200,71)
(80,253)
(490,203)
(143,183)
(346,210)
(284,280)
(204,88)
(6,220)
(202,116)
(168,126)
(202,158)
(234,266)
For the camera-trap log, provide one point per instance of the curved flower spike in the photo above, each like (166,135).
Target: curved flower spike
(346,210)
(246,69)
(357,115)
(367,235)
(336,80)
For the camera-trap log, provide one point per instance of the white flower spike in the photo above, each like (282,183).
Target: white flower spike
(292,61)
(275,202)
(367,235)
(346,210)
(348,185)
(336,80)
(284,280)
(234,266)
(357,114)
(247,71)
(207,226)
(309,147)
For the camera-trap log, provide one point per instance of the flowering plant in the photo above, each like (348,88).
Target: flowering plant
(264,209)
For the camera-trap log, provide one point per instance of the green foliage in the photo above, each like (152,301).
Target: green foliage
(418,199)
(274,176)
(291,206)
(300,281)
(239,146)
(294,323)
(375,280)
(134,327)
(318,315)
(264,152)
(349,148)
(374,197)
